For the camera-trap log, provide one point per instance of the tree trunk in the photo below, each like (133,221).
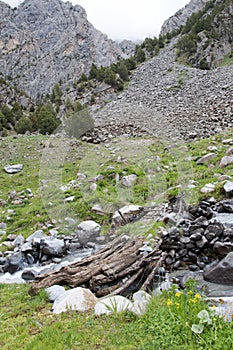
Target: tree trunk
(115,269)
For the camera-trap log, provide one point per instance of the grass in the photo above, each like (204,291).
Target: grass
(27,323)
(227,60)
(162,171)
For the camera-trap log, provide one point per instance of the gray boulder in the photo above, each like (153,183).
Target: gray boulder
(36,237)
(222,272)
(88,231)
(14,263)
(52,246)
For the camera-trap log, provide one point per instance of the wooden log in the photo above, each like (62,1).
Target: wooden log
(114,268)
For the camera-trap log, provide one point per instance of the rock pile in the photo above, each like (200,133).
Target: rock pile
(43,249)
(200,235)
(107,132)
(172,100)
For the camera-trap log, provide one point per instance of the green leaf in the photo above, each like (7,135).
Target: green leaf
(204,317)
(197,328)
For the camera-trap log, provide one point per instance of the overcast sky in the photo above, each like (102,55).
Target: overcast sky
(127,19)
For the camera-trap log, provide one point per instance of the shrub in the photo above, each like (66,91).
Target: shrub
(24,124)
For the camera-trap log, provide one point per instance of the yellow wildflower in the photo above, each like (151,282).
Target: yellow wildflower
(177,305)
(192,301)
(190,292)
(178,294)
(197,296)
(169,302)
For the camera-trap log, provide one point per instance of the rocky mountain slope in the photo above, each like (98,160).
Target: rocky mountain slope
(44,42)
(206,38)
(171,99)
(180,17)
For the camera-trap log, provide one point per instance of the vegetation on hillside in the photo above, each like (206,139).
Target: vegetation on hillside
(42,116)
(209,21)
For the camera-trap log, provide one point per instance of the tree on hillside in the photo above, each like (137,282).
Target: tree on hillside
(123,71)
(46,120)
(140,54)
(24,124)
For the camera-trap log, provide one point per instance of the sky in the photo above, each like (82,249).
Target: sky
(126,19)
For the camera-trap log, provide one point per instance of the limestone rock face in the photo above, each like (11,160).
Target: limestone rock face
(181,16)
(43,42)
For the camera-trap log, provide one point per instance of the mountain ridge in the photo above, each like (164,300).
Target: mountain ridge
(44,42)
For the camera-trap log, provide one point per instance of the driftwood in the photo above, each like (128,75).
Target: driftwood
(114,269)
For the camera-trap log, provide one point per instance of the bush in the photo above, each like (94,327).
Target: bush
(46,120)
(24,124)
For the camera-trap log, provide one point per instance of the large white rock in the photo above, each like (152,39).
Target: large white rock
(141,300)
(79,299)
(112,304)
(224,307)
(8,278)
(55,292)
(88,231)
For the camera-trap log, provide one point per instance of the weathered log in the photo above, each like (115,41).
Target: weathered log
(113,269)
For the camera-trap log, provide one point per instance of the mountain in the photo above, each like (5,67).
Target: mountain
(180,17)
(44,42)
(205,30)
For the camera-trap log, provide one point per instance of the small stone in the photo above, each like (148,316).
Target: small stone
(225,161)
(69,199)
(29,275)
(224,178)
(13,169)
(222,248)
(228,188)
(208,188)
(128,181)
(205,159)
(93,187)
(3,225)
(202,242)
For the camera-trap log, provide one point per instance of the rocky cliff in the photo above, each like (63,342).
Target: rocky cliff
(206,38)
(181,16)
(43,42)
